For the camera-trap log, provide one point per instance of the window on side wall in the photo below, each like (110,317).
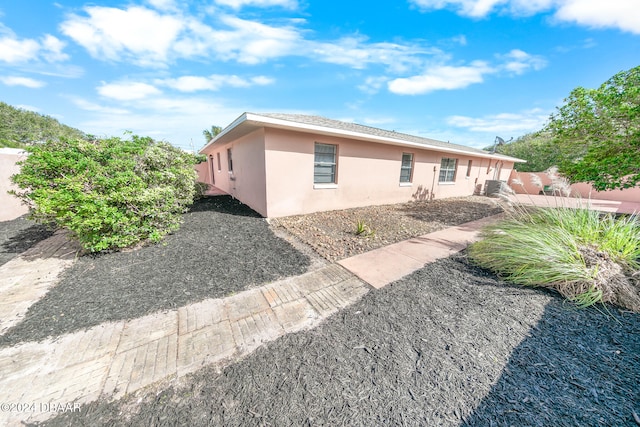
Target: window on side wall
(219,165)
(324,164)
(469,165)
(229,160)
(447,170)
(406,168)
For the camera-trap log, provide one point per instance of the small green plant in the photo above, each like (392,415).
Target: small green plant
(586,256)
(111,193)
(362,229)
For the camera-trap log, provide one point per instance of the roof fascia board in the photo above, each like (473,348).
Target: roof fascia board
(263,120)
(225,131)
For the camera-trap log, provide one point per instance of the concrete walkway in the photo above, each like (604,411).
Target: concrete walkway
(382,266)
(116,358)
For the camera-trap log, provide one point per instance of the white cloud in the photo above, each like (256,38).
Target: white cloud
(518,61)
(448,77)
(441,77)
(163,4)
(213,82)
(93,107)
(506,124)
(22,81)
(357,53)
(137,34)
(52,49)
(372,85)
(15,50)
(177,120)
(127,91)
(237,4)
(474,8)
(620,14)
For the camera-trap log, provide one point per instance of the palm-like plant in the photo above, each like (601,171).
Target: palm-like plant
(209,134)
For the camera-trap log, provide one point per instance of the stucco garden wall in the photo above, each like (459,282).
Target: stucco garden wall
(10,206)
(581,189)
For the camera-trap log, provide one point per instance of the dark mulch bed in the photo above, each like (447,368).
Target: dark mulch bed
(18,235)
(222,247)
(449,345)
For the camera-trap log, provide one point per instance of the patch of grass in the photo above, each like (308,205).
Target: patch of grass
(586,256)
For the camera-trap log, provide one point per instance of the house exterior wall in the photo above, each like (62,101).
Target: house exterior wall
(10,206)
(367,174)
(247,180)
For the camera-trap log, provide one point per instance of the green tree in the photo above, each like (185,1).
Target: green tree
(19,128)
(536,148)
(111,193)
(598,133)
(209,134)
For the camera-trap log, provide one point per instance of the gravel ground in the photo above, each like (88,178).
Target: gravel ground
(223,247)
(449,345)
(332,234)
(18,235)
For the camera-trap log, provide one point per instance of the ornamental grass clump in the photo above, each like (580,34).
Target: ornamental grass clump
(586,256)
(110,193)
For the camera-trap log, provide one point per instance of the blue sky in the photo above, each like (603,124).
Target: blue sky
(462,71)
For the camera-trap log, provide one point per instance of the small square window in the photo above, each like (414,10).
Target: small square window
(406,168)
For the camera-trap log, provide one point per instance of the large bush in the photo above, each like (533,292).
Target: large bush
(111,193)
(586,256)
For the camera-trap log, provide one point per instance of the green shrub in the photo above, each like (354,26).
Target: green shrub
(111,193)
(586,256)
(363,229)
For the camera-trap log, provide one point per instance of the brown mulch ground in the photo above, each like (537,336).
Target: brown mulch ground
(333,234)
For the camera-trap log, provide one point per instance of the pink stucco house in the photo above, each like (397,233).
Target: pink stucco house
(289,164)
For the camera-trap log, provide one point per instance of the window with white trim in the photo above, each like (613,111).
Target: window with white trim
(219,166)
(229,160)
(324,163)
(447,170)
(406,167)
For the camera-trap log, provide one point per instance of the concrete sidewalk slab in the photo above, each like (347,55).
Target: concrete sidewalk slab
(385,265)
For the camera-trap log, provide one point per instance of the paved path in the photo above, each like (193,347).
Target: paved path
(382,266)
(116,358)
(26,278)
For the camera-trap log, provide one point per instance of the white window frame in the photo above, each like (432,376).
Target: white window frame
(406,180)
(447,174)
(332,164)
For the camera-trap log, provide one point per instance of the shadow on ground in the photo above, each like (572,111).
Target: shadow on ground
(223,247)
(576,368)
(448,345)
(19,235)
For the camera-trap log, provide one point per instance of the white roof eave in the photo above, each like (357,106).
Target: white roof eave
(287,124)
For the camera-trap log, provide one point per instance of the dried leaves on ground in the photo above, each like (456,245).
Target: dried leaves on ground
(334,234)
